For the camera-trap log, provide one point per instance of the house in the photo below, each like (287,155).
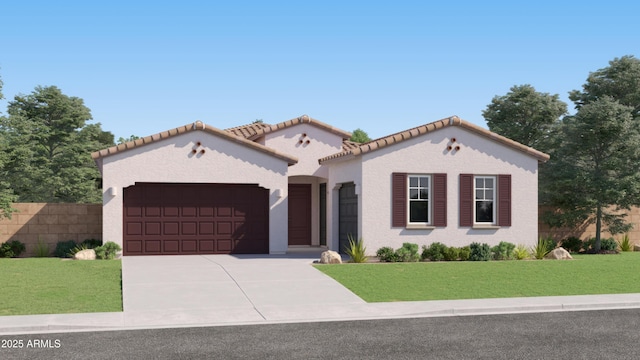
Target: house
(265,188)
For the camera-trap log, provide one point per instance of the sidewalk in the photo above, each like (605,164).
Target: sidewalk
(11,325)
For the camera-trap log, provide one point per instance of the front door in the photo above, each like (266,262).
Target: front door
(299,214)
(348,215)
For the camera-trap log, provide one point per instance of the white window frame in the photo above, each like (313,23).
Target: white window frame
(428,201)
(493,199)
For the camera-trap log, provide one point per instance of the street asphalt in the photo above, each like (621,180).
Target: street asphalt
(219,290)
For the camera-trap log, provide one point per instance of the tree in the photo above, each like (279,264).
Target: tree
(360,136)
(122,140)
(525,115)
(620,80)
(6,194)
(596,168)
(50,144)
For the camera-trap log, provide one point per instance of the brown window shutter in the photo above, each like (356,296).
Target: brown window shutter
(504,200)
(466,199)
(439,199)
(399,199)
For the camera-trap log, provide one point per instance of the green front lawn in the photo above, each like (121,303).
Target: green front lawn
(586,274)
(55,286)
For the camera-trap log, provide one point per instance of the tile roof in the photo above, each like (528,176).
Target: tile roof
(423,129)
(196,126)
(247,131)
(304,119)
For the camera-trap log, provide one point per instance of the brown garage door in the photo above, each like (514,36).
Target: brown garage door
(171,219)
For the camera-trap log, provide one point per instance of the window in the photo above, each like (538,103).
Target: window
(485,198)
(419,203)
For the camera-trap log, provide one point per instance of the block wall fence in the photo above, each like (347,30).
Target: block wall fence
(53,222)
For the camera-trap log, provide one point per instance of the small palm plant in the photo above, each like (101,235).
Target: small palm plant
(544,246)
(356,250)
(625,243)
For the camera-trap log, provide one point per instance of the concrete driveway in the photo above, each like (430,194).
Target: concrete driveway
(202,289)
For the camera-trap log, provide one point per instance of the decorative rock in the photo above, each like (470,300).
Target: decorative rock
(87,254)
(559,254)
(330,257)
(636,247)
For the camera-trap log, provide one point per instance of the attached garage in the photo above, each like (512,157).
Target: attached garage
(172,219)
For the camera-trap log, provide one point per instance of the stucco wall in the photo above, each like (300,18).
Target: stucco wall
(321,143)
(51,223)
(428,154)
(171,161)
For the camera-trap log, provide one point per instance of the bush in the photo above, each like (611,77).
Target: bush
(64,248)
(356,250)
(107,251)
(625,244)
(572,244)
(408,253)
(608,244)
(11,249)
(41,249)
(465,253)
(543,247)
(480,252)
(503,251)
(435,251)
(452,253)
(521,252)
(91,243)
(387,254)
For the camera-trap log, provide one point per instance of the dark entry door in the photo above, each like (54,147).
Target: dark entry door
(348,214)
(299,214)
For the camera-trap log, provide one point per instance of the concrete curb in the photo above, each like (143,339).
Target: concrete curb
(67,323)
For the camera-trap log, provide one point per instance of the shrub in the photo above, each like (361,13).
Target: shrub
(572,244)
(521,252)
(465,253)
(543,247)
(63,248)
(435,251)
(356,250)
(91,243)
(41,249)
(452,253)
(608,244)
(480,252)
(107,251)
(625,243)
(588,244)
(503,251)
(408,253)
(11,249)
(387,254)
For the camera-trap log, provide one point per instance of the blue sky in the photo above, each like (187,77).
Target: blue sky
(387,66)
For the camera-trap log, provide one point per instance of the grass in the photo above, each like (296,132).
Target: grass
(54,286)
(585,275)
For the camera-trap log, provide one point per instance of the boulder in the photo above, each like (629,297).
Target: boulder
(636,247)
(87,254)
(330,257)
(558,254)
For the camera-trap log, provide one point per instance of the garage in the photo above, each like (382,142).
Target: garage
(182,219)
